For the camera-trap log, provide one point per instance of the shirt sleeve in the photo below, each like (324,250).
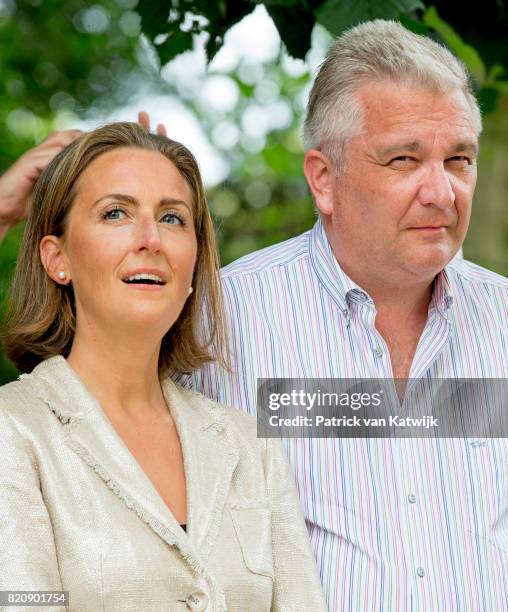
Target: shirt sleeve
(296,582)
(28,560)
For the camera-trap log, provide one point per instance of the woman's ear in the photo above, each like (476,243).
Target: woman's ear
(320,175)
(53,259)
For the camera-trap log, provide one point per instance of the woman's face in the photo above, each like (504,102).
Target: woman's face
(130,246)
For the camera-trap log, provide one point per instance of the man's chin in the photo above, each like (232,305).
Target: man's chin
(429,261)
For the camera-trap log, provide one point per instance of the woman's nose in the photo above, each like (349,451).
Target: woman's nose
(148,236)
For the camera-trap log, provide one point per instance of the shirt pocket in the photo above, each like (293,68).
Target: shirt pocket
(253,530)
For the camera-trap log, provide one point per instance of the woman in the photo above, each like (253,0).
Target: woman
(130,493)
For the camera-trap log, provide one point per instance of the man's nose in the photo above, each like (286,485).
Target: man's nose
(436,189)
(147,235)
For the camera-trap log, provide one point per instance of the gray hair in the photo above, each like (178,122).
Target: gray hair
(375,50)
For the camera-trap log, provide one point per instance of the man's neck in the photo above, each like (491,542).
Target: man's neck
(403,301)
(401,316)
(394,291)
(402,305)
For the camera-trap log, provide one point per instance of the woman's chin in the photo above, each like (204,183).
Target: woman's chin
(153,322)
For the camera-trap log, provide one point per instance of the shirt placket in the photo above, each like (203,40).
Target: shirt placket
(362,317)
(418,478)
(410,510)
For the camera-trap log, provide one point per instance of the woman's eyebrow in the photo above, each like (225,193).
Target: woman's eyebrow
(122,197)
(117,196)
(174,202)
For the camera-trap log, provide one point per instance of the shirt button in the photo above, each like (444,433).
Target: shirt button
(411,498)
(197,601)
(420,572)
(378,352)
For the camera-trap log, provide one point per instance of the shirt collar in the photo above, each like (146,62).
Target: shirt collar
(332,276)
(442,298)
(343,290)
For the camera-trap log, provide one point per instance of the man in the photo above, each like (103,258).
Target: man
(391,140)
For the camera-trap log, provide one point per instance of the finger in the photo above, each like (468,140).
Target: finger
(39,162)
(61,138)
(161,129)
(39,155)
(34,162)
(144,120)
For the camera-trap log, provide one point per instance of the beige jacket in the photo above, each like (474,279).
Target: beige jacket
(77,513)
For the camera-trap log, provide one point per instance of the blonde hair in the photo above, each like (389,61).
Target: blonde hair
(40,313)
(375,51)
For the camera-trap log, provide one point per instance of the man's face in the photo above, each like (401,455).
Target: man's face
(401,208)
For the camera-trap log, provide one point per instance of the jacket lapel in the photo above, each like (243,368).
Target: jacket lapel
(209,456)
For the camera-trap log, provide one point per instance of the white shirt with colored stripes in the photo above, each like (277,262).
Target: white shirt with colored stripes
(396,524)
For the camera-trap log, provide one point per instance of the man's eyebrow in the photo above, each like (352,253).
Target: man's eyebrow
(413,146)
(122,197)
(465,147)
(410,147)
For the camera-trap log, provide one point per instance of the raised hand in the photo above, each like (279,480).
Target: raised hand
(17,183)
(144,120)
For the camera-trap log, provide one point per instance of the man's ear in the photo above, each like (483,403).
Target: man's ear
(320,175)
(53,259)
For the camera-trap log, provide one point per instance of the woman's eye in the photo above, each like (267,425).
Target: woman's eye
(113,214)
(172,219)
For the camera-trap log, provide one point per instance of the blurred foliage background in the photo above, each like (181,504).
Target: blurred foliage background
(71,62)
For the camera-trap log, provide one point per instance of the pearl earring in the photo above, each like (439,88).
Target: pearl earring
(62,275)
(190,290)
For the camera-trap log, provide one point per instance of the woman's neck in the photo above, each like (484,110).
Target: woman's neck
(121,373)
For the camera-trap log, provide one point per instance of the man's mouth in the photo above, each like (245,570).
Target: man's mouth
(430,227)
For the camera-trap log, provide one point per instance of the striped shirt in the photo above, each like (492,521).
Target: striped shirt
(396,524)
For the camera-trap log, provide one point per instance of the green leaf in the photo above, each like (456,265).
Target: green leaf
(268,3)
(295,26)
(463,51)
(154,17)
(177,42)
(221,21)
(496,71)
(338,15)
(414,26)
(487,98)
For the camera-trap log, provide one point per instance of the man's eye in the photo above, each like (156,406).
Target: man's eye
(402,158)
(113,214)
(172,219)
(461,159)
(402,162)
